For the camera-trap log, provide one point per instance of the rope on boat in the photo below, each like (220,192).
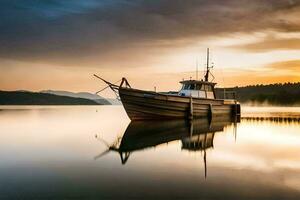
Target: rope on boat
(107,87)
(112,86)
(115,88)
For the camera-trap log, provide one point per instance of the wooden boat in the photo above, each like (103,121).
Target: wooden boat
(197,98)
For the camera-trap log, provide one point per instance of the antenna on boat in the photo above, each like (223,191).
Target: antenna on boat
(207,66)
(197,69)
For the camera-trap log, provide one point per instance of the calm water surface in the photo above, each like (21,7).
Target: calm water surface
(94,152)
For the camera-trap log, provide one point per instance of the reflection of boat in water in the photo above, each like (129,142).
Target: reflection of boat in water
(195,135)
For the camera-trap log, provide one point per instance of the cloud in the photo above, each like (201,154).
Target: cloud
(270,43)
(90,31)
(291,66)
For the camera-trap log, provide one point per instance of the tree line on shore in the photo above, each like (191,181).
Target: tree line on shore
(273,94)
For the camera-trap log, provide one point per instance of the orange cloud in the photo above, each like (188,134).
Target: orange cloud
(270,43)
(289,65)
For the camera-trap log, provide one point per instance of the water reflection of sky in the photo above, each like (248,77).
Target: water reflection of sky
(49,153)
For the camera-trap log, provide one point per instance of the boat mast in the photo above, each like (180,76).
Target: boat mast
(197,69)
(207,66)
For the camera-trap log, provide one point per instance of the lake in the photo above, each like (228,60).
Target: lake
(94,152)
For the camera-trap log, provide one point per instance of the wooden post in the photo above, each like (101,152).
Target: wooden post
(191,108)
(235,108)
(210,112)
(191,129)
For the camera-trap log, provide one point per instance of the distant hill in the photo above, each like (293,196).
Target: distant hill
(273,94)
(37,98)
(85,95)
(114,101)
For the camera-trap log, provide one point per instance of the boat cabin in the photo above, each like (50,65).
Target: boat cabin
(198,89)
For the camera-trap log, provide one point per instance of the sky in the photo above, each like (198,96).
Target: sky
(59,44)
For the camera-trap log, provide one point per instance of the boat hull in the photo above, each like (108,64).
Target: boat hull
(144,105)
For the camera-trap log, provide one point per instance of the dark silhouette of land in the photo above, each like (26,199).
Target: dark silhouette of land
(273,94)
(36,98)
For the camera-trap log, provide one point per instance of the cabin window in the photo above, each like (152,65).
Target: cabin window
(202,87)
(185,86)
(208,88)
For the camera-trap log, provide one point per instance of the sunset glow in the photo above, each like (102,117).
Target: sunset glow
(59,46)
